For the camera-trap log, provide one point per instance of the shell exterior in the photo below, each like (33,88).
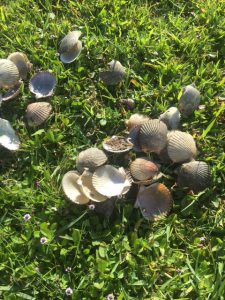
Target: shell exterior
(134,138)
(37,113)
(69,41)
(12,92)
(181,146)
(154,201)
(8,137)
(42,84)
(115,75)
(153,136)
(189,100)
(117,144)
(143,169)
(72,189)
(91,159)
(129,103)
(9,74)
(195,175)
(171,118)
(72,54)
(136,120)
(109,181)
(22,63)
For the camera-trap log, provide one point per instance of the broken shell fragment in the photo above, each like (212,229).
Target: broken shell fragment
(8,137)
(143,169)
(37,113)
(22,63)
(171,118)
(136,120)
(117,144)
(115,75)
(189,100)
(91,159)
(12,92)
(42,84)
(9,74)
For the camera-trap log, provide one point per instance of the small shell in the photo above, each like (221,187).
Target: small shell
(71,188)
(195,175)
(69,41)
(91,159)
(70,56)
(12,92)
(181,146)
(9,74)
(143,169)
(8,137)
(37,113)
(153,136)
(171,118)
(129,103)
(42,84)
(22,63)
(189,101)
(109,181)
(136,120)
(115,75)
(117,144)
(154,201)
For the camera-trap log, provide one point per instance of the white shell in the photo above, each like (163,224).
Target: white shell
(91,159)
(9,74)
(70,56)
(171,118)
(8,137)
(189,101)
(115,75)
(42,84)
(69,41)
(22,63)
(37,113)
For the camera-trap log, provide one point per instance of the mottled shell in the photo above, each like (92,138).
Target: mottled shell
(117,144)
(37,113)
(12,92)
(136,120)
(22,63)
(42,84)
(195,175)
(143,169)
(171,118)
(70,56)
(9,74)
(8,137)
(181,146)
(115,75)
(153,136)
(154,201)
(72,189)
(189,100)
(69,41)
(91,159)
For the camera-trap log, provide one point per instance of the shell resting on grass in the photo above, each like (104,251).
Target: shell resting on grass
(115,75)
(171,118)
(8,137)
(143,169)
(42,84)
(189,100)
(37,113)
(70,47)
(22,63)
(9,73)
(12,92)
(117,144)
(136,120)
(91,159)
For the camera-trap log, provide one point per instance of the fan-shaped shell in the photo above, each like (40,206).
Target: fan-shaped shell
(91,159)
(181,146)
(109,181)
(154,201)
(12,92)
(136,120)
(37,113)
(143,169)
(72,189)
(72,54)
(153,136)
(69,41)
(195,175)
(9,74)
(115,75)
(42,84)
(117,144)
(8,137)
(189,100)
(22,63)
(171,118)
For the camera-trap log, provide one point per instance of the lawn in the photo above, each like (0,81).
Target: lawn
(164,45)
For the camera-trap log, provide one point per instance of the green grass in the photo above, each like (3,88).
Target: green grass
(164,45)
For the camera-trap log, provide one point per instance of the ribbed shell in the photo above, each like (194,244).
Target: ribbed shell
(189,101)
(12,92)
(136,120)
(117,144)
(37,113)
(8,137)
(91,159)
(42,84)
(143,169)
(154,201)
(9,74)
(70,56)
(153,136)
(71,189)
(69,41)
(22,63)
(115,75)
(134,138)
(181,146)
(171,118)
(195,175)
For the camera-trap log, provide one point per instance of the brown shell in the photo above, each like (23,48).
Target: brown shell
(9,73)
(136,120)
(143,169)
(91,158)
(189,101)
(37,113)
(22,63)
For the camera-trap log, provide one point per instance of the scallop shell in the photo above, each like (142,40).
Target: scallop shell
(117,144)
(181,146)
(12,92)
(69,41)
(171,118)
(189,100)
(91,159)
(72,189)
(128,181)
(8,137)
(22,63)
(109,181)
(42,84)
(143,169)
(195,175)
(37,113)
(115,75)
(9,74)
(70,56)
(154,201)
(86,186)
(136,120)
(153,136)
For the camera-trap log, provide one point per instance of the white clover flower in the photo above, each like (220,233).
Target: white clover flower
(69,291)
(26,217)
(110,297)
(91,206)
(68,269)
(43,240)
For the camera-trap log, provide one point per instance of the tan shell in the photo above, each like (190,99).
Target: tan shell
(171,118)
(71,188)
(136,120)
(37,113)
(153,136)
(70,56)
(115,75)
(69,41)
(9,74)
(143,169)
(189,101)
(22,63)
(91,159)
(181,146)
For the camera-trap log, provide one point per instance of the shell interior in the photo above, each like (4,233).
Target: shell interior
(69,41)
(8,137)
(117,144)
(72,54)
(42,84)
(12,92)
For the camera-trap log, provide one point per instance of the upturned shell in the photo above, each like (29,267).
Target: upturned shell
(153,136)
(8,137)
(9,74)
(136,120)
(143,169)
(115,75)
(69,41)
(171,118)
(37,113)
(70,56)
(181,146)
(189,101)
(42,84)
(117,144)
(71,188)
(154,201)
(195,175)
(12,92)
(91,159)
(22,63)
